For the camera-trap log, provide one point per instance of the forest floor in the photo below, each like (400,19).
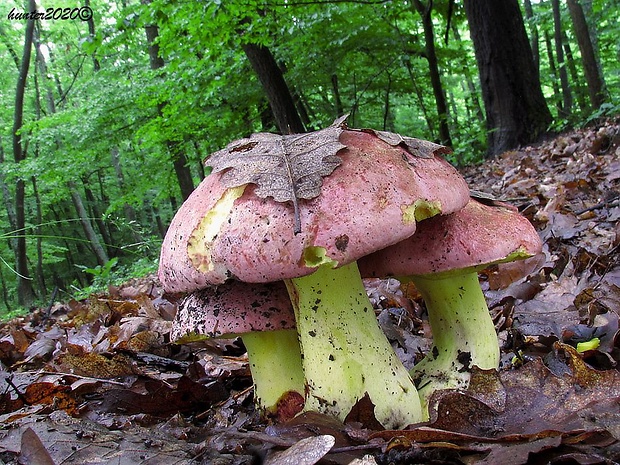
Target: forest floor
(97,381)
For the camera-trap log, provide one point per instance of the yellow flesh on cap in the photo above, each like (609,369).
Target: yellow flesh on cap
(199,243)
(316,256)
(420,210)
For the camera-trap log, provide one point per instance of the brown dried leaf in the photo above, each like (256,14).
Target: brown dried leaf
(416,147)
(59,397)
(308,451)
(45,344)
(363,412)
(531,403)
(82,441)
(517,454)
(285,167)
(157,398)
(95,365)
(33,451)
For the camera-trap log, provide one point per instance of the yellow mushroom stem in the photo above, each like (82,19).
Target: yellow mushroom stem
(345,354)
(463,332)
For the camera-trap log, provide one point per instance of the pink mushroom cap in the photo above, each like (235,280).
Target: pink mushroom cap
(365,205)
(476,236)
(233,309)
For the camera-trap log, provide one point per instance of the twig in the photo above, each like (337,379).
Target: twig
(20,395)
(107,381)
(52,298)
(612,203)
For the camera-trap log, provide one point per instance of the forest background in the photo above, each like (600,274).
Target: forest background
(106,118)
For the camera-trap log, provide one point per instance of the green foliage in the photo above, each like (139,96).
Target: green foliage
(101,273)
(111,274)
(606,110)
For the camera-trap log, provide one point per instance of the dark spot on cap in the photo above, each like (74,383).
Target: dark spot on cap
(342,242)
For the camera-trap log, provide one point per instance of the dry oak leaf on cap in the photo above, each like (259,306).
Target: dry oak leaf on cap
(285,167)
(416,147)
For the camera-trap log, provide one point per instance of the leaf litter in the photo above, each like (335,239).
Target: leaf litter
(98,381)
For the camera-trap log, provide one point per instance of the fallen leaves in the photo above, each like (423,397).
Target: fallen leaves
(568,187)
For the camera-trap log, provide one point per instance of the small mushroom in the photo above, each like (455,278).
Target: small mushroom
(442,259)
(262,315)
(372,200)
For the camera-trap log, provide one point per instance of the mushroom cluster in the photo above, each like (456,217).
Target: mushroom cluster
(384,205)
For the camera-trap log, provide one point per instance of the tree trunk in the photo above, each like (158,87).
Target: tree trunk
(39,240)
(594,78)
(93,239)
(179,160)
(25,292)
(418,92)
(161,228)
(275,87)
(557,96)
(97,216)
(91,34)
(200,167)
(578,87)
(7,198)
(339,109)
(529,14)
(388,117)
(130,213)
(567,98)
(65,230)
(516,110)
(471,93)
(433,68)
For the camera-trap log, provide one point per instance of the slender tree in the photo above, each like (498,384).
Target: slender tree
(179,160)
(100,253)
(76,196)
(567,98)
(515,107)
(529,14)
(553,69)
(597,89)
(25,290)
(91,34)
(338,107)
(425,10)
(578,88)
(472,92)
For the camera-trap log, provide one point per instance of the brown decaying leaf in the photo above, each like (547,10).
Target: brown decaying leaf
(33,451)
(307,451)
(528,404)
(284,167)
(363,412)
(416,147)
(158,398)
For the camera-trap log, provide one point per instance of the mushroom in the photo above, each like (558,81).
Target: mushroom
(372,200)
(442,259)
(262,315)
